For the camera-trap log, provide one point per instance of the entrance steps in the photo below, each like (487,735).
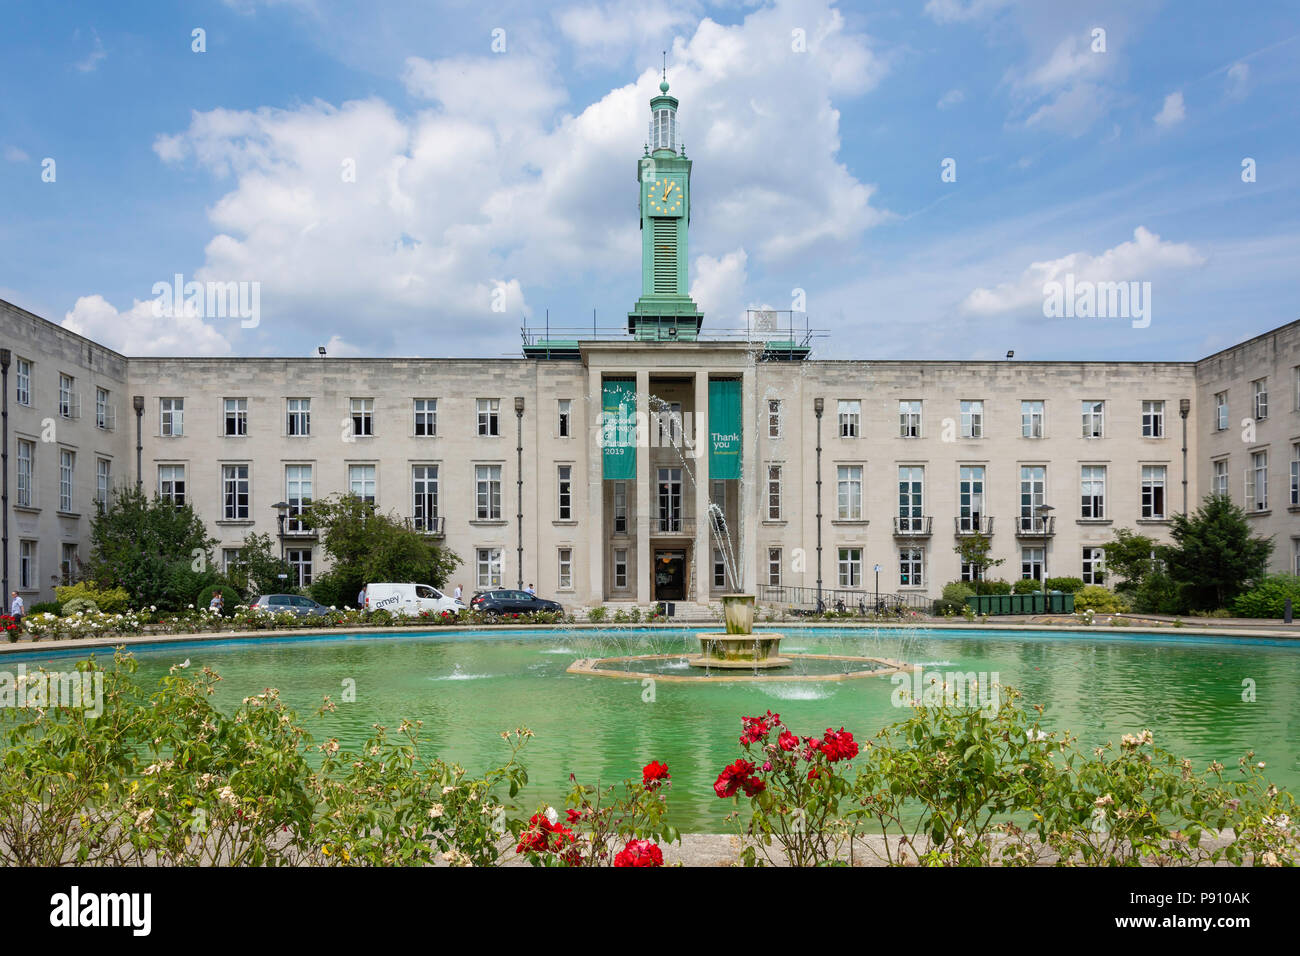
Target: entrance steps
(687,612)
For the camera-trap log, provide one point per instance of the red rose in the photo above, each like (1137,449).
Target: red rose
(640,853)
(654,773)
(787,741)
(838,745)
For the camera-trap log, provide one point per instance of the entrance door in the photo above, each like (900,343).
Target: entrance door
(669,576)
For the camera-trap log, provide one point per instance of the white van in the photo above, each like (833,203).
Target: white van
(410,599)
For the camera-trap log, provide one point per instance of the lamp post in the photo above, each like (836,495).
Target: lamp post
(137,403)
(519,479)
(877,607)
(1184,409)
(5,356)
(1043,510)
(281,514)
(819,406)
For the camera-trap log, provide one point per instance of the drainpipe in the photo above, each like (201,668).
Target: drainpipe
(819,406)
(5,356)
(1184,407)
(519,472)
(137,402)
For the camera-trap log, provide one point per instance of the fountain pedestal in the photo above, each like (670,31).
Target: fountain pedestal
(739,647)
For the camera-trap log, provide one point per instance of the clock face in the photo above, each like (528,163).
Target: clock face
(663,197)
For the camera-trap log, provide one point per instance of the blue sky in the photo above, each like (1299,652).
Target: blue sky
(818,130)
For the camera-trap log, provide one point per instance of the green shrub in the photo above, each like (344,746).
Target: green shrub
(80,606)
(991,586)
(946,608)
(44,607)
(1157,594)
(957,592)
(596,615)
(1268,597)
(1025,586)
(328,589)
(1065,585)
(1096,598)
(108,600)
(229,599)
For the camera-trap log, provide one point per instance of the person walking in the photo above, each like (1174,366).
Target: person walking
(532,591)
(217,603)
(17,609)
(361,599)
(458,593)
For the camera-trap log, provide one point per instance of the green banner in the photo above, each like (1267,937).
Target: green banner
(618,429)
(724,428)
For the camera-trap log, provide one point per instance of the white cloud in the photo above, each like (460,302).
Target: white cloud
(1137,260)
(340,349)
(719,286)
(15,155)
(954,11)
(1173,112)
(1238,78)
(950,99)
(92,60)
(138,331)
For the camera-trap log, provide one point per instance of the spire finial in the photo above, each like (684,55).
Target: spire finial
(663,83)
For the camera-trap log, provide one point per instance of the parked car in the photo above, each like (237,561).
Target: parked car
(511,602)
(409,598)
(294,603)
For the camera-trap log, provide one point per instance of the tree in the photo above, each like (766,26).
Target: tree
(1214,557)
(260,568)
(1129,558)
(974,550)
(160,553)
(367,546)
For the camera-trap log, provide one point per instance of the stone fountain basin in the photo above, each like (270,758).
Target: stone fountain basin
(739,650)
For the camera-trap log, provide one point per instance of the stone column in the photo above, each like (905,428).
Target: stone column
(597,543)
(750,481)
(700,465)
(643,513)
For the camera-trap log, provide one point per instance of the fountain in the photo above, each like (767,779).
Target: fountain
(739,647)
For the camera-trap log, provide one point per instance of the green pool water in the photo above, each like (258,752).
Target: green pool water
(469,686)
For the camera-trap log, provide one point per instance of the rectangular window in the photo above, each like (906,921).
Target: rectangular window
(299,566)
(1031,563)
(773,492)
(1295,562)
(1031,419)
(1092,483)
(774,567)
(565,557)
(1295,378)
(774,418)
(620,568)
(1093,415)
(103,480)
(232,559)
(105,414)
(620,507)
(298,494)
(670,499)
(426,417)
(972,419)
(26,465)
(1260,387)
(69,407)
(1257,482)
(171,417)
(236,417)
(171,484)
(1153,491)
(564,426)
(849,482)
(66,462)
(909,419)
(1033,481)
(911,509)
(234,492)
(669,419)
(850,567)
(362,482)
(68,562)
(970,493)
(910,562)
(424,485)
(362,411)
(487,492)
(1221,411)
(488,564)
(1219,480)
(564,487)
(298,417)
(1094,571)
(719,569)
(489,416)
(1153,419)
(23,381)
(850,416)
(1295,474)
(27,565)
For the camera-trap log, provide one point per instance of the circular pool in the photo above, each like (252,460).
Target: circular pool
(1194,693)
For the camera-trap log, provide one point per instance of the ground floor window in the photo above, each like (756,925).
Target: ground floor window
(489,567)
(969,571)
(1296,562)
(27,565)
(850,565)
(774,567)
(231,559)
(1093,572)
(68,563)
(910,561)
(299,566)
(1031,563)
(566,569)
(620,568)
(719,569)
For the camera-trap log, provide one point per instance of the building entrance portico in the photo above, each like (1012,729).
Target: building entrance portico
(669,573)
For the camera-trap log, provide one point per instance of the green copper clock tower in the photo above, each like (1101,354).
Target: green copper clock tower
(665,311)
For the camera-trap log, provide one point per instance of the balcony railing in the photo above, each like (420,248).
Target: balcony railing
(1036,526)
(973,524)
(913,526)
(673,524)
(436,525)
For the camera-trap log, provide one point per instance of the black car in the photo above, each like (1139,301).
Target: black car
(296,603)
(511,602)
